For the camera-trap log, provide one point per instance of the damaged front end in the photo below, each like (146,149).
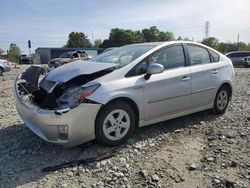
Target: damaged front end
(34,87)
(56,108)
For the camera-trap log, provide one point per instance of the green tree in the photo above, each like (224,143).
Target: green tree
(226,47)
(98,43)
(151,34)
(211,42)
(138,36)
(13,53)
(119,37)
(1,52)
(78,40)
(165,36)
(247,47)
(241,46)
(106,44)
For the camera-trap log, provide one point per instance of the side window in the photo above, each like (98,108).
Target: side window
(198,55)
(170,57)
(244,54)
(141,68)
(239,55)
(75,55)
(83,55)
(214,56)
(233,55)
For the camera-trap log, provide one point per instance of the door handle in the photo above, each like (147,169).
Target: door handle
(185,78)
(137,87)
(214,72)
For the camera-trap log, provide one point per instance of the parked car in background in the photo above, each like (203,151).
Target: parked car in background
(4,66)
(108,96)
(67,57)
(247,61)
(237,57)
(25,59)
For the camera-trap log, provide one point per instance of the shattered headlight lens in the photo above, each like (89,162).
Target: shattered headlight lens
(75,96)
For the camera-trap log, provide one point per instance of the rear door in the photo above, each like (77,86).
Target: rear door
(204,74)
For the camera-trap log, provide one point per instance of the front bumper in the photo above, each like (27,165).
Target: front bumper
(80,121)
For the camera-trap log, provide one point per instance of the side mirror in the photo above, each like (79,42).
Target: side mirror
(153,68)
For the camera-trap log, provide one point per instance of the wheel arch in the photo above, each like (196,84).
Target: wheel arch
(229,86)
(127,100)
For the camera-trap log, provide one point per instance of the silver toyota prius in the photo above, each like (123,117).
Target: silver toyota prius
(107,97)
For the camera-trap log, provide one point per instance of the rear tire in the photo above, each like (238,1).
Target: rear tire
(114,123)
(221,100)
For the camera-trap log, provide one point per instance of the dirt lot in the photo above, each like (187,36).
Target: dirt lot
(199,150)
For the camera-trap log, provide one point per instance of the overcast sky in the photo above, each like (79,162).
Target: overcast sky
(47,23)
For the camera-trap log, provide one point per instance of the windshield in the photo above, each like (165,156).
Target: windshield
(65,55)
(123,55)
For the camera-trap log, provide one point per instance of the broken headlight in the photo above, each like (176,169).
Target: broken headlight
(74,96)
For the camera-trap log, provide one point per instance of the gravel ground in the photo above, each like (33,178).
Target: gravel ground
(198,150)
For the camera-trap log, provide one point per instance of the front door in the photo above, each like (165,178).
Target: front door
(168,92)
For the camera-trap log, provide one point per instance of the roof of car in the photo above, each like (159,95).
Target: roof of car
(166,42)
(75,51)
(235,52)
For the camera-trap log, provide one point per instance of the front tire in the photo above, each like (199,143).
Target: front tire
(114,123)
(221,100)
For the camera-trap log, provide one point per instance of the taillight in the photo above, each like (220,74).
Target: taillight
(5,61)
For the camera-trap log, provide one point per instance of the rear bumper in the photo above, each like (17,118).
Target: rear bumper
(80,121)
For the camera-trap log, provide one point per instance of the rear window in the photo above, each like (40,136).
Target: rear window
(198,55)
(214,56)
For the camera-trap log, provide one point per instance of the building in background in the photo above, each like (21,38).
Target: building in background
(43,55)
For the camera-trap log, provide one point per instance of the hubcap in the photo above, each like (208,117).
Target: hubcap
(116,125)
(222,100)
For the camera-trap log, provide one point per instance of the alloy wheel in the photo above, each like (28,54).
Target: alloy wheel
(116,124)
(222,100)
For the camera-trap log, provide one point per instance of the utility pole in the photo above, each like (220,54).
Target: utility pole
(238,40)
(93,37)
(207,27)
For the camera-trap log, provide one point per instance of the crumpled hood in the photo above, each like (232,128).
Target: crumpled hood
(71,70)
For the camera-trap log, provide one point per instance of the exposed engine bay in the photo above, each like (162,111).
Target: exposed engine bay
(34,87)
